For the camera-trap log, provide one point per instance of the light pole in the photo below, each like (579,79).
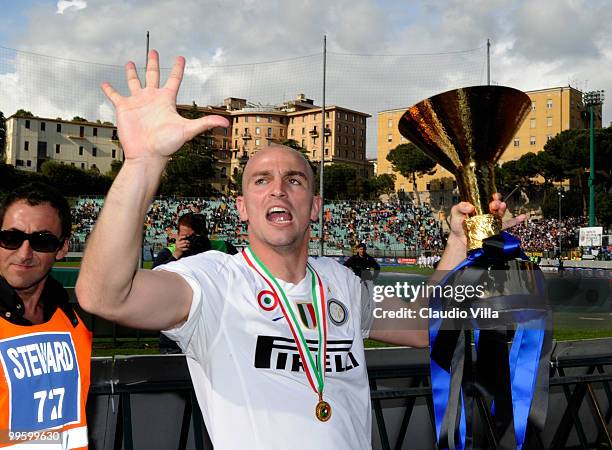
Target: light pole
(591,100)
(560,194)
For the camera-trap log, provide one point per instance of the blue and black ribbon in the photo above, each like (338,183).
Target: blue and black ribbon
(513,382)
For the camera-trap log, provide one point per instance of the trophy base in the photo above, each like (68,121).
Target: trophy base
(481,227)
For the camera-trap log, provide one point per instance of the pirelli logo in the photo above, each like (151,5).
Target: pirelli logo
(281,353)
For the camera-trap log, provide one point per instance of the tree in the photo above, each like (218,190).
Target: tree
(410,161)
(193,166)
(2,135)
(383,184)
(339,182)
(78,119)
(72,181)
(114,170)
(24,113)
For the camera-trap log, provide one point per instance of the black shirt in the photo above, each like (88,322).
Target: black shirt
(52,297)
(359,263)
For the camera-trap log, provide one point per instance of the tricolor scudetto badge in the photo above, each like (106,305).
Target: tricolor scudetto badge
(307,315)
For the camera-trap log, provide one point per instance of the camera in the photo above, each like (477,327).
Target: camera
(197,244)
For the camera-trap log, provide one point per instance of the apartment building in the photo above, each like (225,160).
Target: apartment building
(30,141)
(552,110)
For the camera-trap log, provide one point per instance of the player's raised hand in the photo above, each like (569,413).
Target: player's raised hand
(147,121)
(463,210)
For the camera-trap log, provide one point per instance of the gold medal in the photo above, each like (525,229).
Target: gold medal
(323,411)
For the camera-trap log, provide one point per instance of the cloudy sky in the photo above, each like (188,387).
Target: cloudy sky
(535,44)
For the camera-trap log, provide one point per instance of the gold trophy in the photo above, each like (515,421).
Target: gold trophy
(466,131)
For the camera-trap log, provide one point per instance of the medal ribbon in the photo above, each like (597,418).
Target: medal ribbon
(311,366)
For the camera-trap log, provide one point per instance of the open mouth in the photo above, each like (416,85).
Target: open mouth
(279,215)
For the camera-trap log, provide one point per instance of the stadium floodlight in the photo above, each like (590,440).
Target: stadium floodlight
(560,193)
(591,100)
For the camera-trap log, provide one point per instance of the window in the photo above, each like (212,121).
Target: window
(256,142)
(533,106)
(113,153)
(345,140)
(29,163)
(346,128)
(223,172)
(19,163)
(303,118)
(353,142)
(532,140)
(326,151)
(114,137)
(390,123)
(353,130)
(292,132)
(72,164)
(224,147)
(353,155)
(80,151)
(327,139)
(303,130)
(246,131)
(257,119)
(58,127)
(549,104)
(269,119)
(314,141)
(428,187)
(224,131)
(549,121)
(269,132)
(282,132)
(94,151)
(27,125)
(532,123)
(345,116)
(246,119)
(257,130)
(517,142)
(95,131)
(235,144)
(327,114)
(389,137)
(354,117)
(43,126)
(57,148)
(81,131)
(303,144)
(82,165)
(26,146)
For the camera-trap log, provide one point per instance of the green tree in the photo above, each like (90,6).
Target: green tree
(72,181)
(339,182)
(114,170)
(410,161)
(78,119)
(383,184)
(192,167)
(24,113)
(2,135)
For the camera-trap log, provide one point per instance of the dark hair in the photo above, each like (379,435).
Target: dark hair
(362,245)
(197,222)
(38,193)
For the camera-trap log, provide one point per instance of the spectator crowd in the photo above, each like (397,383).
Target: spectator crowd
(390,226)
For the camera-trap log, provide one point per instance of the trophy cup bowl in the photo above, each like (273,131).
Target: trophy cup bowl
(466,131)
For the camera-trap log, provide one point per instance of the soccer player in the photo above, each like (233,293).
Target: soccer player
(273,338)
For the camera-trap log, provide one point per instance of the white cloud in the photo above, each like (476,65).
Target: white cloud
(535,45)
(64,5)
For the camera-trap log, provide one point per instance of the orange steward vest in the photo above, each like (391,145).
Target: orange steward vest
(44,382)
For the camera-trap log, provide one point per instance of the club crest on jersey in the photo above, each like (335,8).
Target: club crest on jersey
(307,314)
(267,300)
(337,312)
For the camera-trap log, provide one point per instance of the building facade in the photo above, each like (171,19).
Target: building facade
(553,110)
(30,141)
(33,140)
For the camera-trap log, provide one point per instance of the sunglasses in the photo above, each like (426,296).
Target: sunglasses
(40,241)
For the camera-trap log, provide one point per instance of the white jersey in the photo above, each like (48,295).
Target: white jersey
(245,365)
